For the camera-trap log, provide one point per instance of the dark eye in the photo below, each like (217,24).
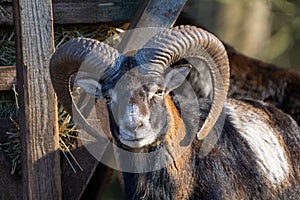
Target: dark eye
(108,98)
(159,92)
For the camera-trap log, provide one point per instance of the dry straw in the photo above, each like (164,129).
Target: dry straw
(8,105)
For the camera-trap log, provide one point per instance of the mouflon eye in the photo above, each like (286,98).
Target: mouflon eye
(108,98)
(159,92)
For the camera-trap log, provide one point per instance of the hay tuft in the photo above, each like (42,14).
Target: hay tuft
(7,48)
(62,34)
(8,102)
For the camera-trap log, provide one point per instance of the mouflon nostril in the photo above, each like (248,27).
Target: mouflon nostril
(134,127)
(139,125)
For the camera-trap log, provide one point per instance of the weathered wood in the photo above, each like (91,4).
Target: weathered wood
(157,13)
(38,107)
(152,13)
(78,12)
(93,11)
(7,77)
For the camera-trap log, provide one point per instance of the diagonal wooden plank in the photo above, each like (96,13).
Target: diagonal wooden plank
(152,13)
(155,13)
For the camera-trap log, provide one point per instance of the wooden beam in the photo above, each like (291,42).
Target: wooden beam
(38,107)
(151,14)
(93,11)
(7,77)
(157,13)
(82,12)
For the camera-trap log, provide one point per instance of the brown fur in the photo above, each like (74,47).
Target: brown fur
(251,78)
(176,133)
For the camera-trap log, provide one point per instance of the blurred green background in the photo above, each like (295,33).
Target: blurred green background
(264,29)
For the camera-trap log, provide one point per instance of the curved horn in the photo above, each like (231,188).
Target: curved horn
(86,55)
(188,41)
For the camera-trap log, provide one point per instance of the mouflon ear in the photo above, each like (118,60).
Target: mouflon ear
(176,76)
(90,86)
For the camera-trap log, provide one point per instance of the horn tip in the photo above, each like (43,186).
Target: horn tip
(201,135)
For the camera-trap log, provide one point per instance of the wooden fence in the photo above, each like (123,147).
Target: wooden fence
(33,24)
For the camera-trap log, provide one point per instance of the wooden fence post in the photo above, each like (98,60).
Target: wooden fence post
(38,109)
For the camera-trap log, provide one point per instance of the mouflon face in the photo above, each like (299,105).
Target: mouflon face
(137,105)
(136,102)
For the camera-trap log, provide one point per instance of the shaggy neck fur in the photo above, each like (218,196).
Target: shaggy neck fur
(176,179)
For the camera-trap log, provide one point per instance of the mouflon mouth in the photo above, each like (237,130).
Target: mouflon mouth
(134,140)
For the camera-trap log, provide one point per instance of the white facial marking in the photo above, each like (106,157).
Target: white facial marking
(140,136)
(271,157)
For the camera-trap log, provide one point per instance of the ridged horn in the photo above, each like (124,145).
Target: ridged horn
(84,55)
(180,42)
